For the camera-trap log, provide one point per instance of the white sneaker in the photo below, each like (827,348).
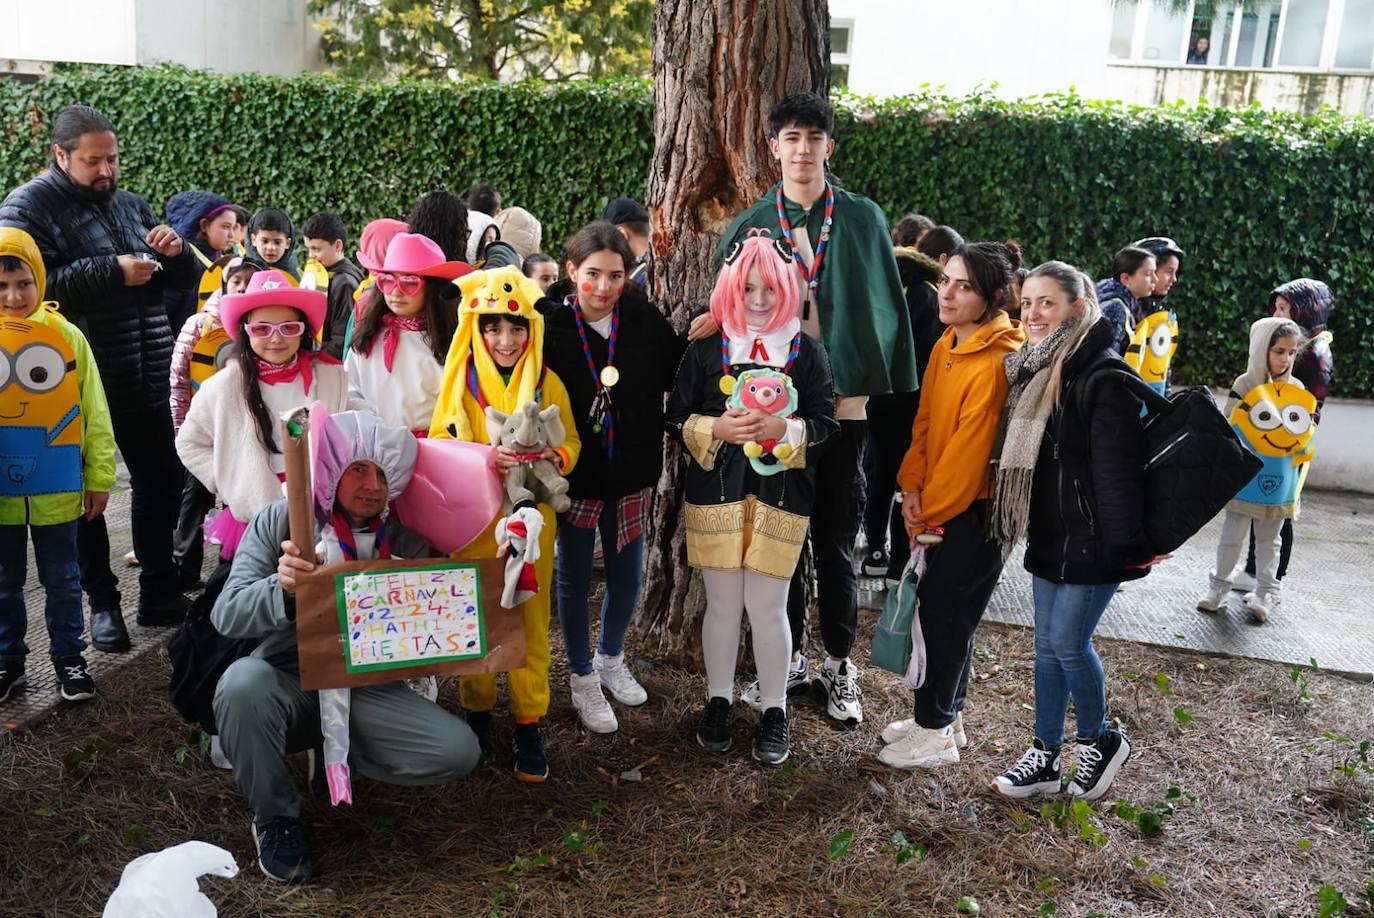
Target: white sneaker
(841,685)
(1214,600)
(798,680)
(1260,605)
(901,728)
(1244,583)
(615,675)
(921,748)
(592,706)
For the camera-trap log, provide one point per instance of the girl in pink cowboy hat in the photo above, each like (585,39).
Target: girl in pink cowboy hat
(274,367)
(396,359)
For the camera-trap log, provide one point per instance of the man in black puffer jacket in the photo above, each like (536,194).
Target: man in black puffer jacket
(109,261)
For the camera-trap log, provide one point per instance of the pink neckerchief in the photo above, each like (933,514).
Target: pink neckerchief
(391,337)
(300,365)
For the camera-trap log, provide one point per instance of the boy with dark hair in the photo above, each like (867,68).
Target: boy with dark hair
(272,241)
(854,306)
(630,217)
(326,239)
(484,198)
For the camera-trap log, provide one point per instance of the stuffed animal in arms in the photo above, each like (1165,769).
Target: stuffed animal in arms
(528,432)
(770,391)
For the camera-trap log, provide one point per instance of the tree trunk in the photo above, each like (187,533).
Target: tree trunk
(719,66)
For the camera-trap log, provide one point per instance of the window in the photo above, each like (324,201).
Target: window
(841,37)
(1253,34)
(1355,48)
(1303,31)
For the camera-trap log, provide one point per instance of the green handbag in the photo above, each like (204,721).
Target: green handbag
(897,643)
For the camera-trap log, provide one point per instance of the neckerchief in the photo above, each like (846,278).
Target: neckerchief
(343,531)
(273,373)
(475,389)
(811,275)
(602,410)
(391,336)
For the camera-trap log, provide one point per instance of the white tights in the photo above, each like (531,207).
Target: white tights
(728,594)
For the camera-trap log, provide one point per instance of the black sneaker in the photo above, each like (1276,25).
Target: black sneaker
(283,854)
(1038,771)
(12,678)
(531,765)
(480,722)
(876,564)
(715,729)
(1098,762)
(74,677)
(771,738)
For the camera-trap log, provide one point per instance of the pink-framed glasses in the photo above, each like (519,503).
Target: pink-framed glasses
(407,284)
(293,329)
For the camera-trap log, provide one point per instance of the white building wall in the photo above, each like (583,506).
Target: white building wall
(264,36)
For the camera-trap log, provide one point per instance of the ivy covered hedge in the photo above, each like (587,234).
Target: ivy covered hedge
(1255,197)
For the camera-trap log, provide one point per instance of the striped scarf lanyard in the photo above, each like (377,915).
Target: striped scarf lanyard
(811,275)
(343,531)
(602,413)
(727,378)
(475,389)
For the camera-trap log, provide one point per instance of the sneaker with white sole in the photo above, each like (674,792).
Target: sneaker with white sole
(1038,771)
(1098,762)
(1244,583)
(591,704)
(798,681)
(12,678)
(1215,598)
(74,677)
(1259,605)
(876,563)
(841,685)
(921,748)
(900,728)
(616,676)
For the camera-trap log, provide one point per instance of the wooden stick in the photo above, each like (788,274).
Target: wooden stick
(295,439)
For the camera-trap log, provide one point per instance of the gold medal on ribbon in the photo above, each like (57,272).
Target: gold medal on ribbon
(609,376)
(727,384)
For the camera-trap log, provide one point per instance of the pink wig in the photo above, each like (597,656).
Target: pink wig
(727,299)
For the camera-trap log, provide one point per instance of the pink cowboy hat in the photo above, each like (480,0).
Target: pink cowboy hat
(412,253)
(272,288)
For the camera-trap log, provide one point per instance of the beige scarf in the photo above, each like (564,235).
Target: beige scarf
(1024,417)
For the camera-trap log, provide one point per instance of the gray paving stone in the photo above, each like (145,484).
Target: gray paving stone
(1328,595)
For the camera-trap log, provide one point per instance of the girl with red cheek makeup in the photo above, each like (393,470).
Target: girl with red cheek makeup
(618,356)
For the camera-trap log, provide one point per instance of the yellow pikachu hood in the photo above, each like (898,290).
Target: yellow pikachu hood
(500,292)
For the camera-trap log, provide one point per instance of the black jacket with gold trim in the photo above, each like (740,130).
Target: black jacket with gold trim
(719,472)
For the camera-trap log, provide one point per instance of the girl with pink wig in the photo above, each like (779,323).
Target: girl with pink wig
(751,405)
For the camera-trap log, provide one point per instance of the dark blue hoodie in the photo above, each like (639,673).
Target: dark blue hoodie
(185,210)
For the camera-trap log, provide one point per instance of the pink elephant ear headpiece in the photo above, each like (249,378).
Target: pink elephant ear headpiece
(339,440)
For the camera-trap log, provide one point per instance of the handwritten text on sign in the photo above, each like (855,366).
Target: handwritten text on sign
(410,616)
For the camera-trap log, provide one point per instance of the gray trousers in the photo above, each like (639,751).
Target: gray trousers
(395,735)
(1234,529)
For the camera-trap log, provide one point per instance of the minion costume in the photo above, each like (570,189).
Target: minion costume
(471,382)
(56,442)
(1152,348)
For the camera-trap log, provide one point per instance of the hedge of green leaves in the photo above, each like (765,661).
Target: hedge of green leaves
(1255,197)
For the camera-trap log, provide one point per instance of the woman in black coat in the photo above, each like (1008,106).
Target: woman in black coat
(1071,479)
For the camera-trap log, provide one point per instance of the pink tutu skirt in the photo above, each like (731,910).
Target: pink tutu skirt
(226,532)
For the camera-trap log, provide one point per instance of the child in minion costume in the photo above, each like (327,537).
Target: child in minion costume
(57,449)
(474,380)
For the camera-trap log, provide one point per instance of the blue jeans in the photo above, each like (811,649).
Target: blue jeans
(1066,615)
(624,573)
(54,550)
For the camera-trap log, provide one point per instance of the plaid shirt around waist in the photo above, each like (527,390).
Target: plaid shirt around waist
(631,515)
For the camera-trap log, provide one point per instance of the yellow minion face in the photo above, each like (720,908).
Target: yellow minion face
(38,384)
(1276,419)
(209,356)
(1153,344)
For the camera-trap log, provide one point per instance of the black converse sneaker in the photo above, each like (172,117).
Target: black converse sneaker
(1098,762)
(12,678)
(74,677)
(875,564)
(771,738)
(1038,771)
(716,727)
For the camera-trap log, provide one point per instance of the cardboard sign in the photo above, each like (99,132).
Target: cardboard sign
(367,622)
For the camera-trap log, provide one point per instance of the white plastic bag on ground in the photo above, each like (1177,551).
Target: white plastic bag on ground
(165,884)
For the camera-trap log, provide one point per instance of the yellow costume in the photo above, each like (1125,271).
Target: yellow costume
(471,382)
(1152,348)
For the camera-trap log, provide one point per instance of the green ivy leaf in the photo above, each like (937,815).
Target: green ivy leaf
(839,845)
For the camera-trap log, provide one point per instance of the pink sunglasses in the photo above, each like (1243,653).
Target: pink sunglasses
(408,284)
(267,329)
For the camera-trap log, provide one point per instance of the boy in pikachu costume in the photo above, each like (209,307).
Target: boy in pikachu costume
(487,367)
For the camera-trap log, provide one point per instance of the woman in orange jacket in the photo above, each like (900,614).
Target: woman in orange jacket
(946,482)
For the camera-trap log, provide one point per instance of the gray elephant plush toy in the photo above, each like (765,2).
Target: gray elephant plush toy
(528,432)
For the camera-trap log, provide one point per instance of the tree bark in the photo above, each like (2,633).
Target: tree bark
(719,66)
